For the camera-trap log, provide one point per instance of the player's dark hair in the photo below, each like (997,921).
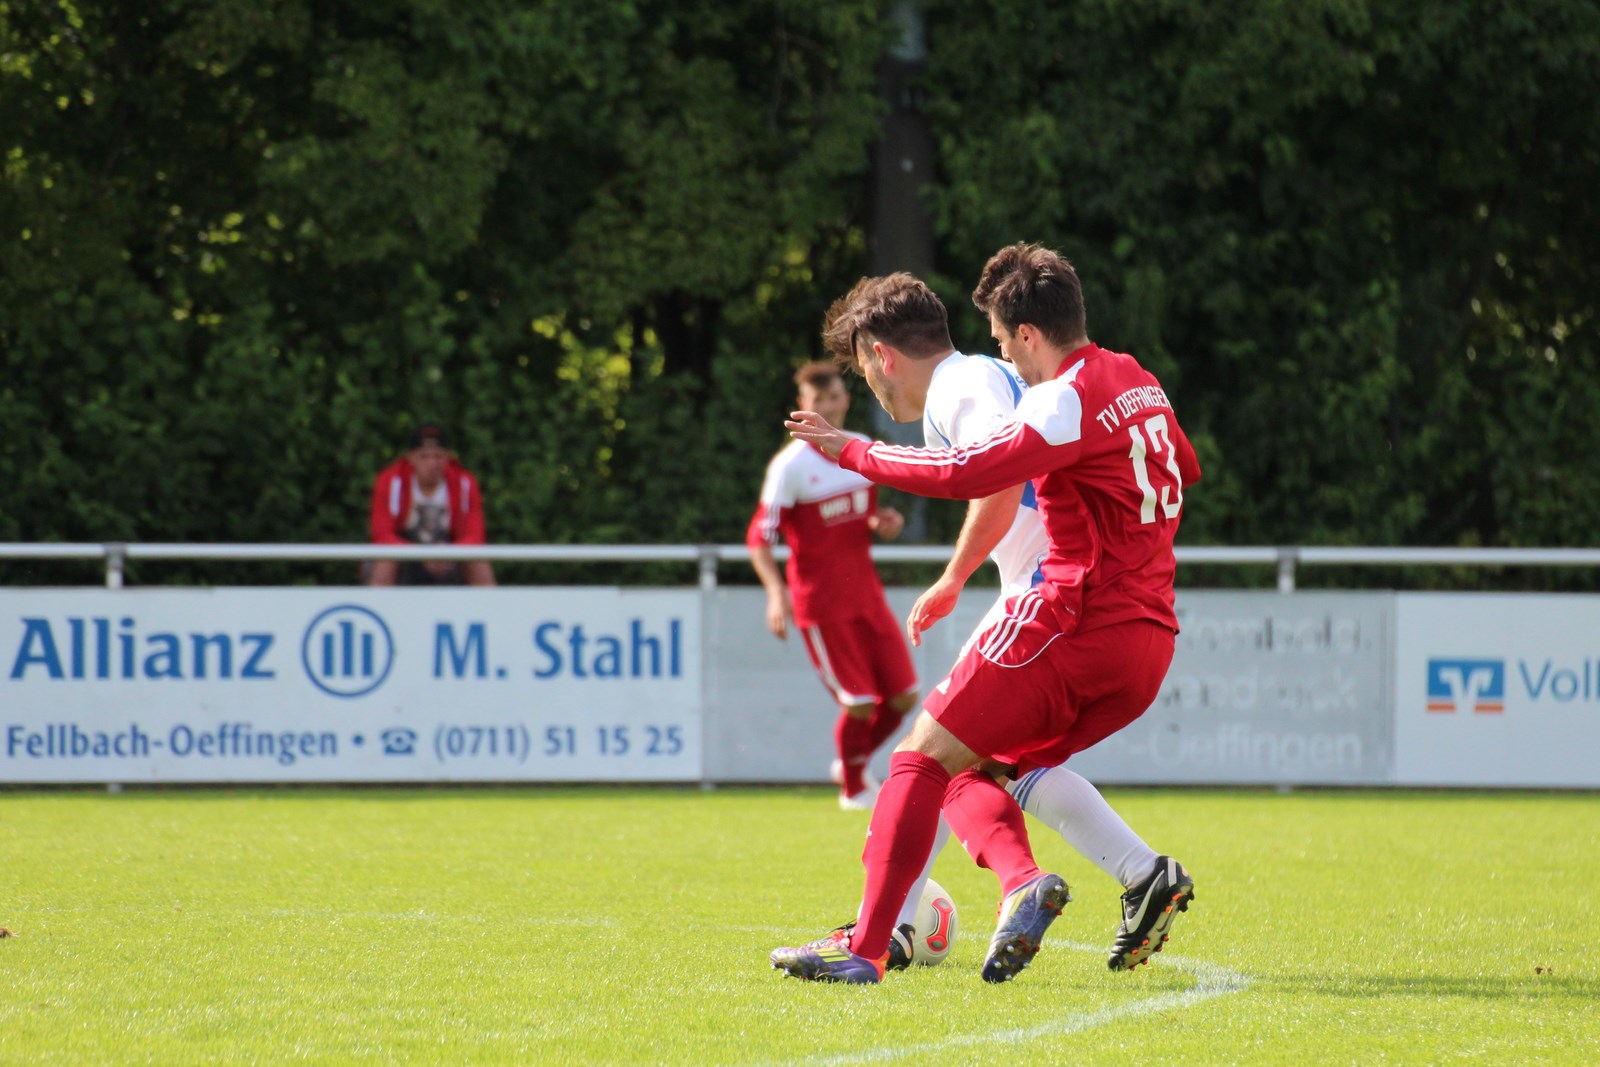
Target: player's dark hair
(818,374)
(897,309)
(839,329)
(1028,283)
(428,433)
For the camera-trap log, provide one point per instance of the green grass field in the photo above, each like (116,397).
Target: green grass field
(620,925)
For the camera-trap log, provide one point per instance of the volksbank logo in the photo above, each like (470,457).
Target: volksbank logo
(1462,684)
(347,651)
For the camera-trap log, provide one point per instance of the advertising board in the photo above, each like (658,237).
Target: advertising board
(608,684)
(1265,689)
(1497,690)
(350,685)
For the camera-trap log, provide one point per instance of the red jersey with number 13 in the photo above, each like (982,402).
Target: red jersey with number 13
(820,510)
(1109,465)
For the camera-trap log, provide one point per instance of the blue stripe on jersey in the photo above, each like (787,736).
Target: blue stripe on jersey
(1010,376)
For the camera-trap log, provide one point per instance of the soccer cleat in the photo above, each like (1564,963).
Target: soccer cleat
(1148,911)
(1025,914)
(900,942)
(862,801)
(828,960)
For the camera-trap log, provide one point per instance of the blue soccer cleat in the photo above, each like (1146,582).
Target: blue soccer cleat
(900,946)
(1025,914)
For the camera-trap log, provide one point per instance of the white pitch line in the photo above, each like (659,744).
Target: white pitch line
(1214,981)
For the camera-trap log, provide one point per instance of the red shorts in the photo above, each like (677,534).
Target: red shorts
(1032,690)
(864,659)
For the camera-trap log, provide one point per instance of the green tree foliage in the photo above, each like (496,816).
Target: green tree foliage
(243,246)
(1358,239)
(258,241)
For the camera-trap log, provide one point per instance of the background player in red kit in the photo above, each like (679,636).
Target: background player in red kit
(828,516)
(1076,658)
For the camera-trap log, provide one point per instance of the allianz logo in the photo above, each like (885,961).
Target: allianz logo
(345,651)
(1480,685)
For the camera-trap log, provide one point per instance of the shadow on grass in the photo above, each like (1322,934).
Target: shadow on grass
(1529,986)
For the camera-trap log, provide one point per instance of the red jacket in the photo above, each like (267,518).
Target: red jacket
(391,503)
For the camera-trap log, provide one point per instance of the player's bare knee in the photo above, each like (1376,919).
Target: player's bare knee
(930,739)
(858,711)
(904,702)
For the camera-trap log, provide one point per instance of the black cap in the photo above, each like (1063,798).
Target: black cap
(429,433)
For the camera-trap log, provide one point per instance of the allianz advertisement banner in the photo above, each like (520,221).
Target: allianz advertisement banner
(547,684)
(1497,690)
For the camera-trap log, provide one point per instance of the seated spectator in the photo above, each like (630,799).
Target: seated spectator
(426,497)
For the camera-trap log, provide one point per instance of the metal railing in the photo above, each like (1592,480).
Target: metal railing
(1287,560)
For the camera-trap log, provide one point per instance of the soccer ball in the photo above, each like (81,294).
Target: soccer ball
(935,925)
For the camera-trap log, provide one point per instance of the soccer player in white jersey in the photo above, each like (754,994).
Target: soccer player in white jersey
(828,517)
(893,331)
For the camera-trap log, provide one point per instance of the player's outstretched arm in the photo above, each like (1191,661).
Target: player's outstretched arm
(1014,454)
(813,429)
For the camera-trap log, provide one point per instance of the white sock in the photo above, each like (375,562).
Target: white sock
(1069,804)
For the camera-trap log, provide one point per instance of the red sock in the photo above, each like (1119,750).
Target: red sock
(904,822)
(989,825)
(885,721)
(853,738)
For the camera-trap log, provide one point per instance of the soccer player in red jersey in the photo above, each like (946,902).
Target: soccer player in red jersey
(894,332)
(1075,659)
(828,516)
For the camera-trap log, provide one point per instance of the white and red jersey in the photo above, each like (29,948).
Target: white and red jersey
(820,510)
(1109,465)
(969,398)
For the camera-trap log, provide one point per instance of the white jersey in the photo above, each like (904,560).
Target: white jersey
(968,399)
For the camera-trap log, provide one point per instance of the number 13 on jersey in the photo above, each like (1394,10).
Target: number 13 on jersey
(1149,448)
